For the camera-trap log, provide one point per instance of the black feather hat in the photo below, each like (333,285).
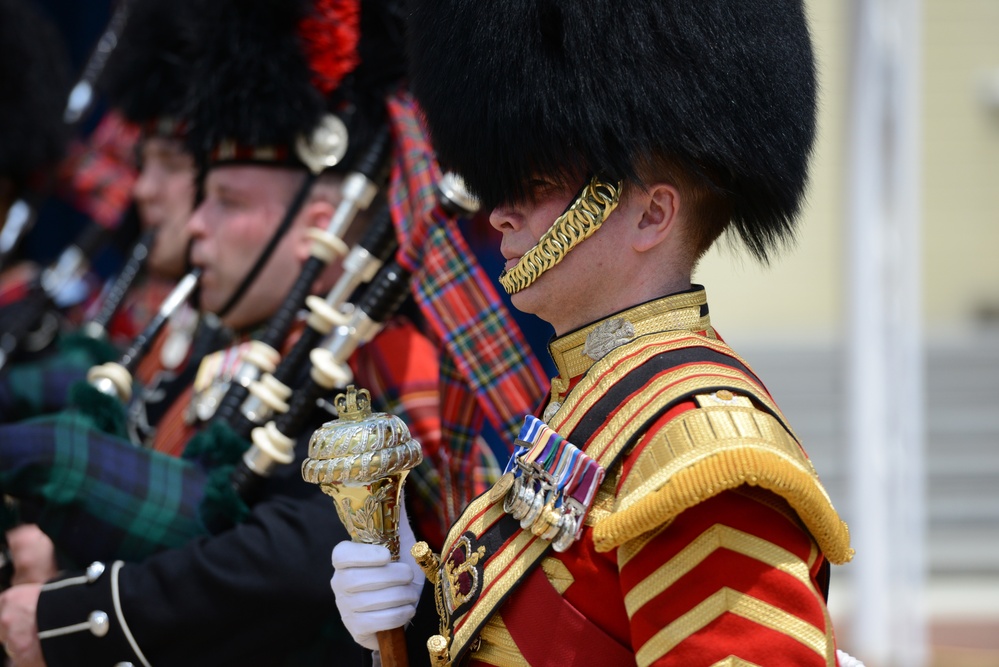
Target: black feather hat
(34,84)
(723,90)
(268,71)
(147,74)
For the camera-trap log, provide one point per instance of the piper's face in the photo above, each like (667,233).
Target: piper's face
(164,194)
(243,205)
(583,286)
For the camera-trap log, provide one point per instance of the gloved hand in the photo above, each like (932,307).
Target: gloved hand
(373,593)
(847,660)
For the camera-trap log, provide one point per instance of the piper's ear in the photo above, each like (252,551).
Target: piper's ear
(660,208)
(316,212)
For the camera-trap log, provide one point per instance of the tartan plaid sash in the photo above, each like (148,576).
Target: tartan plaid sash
(102,492)
(487,366)
(101,495)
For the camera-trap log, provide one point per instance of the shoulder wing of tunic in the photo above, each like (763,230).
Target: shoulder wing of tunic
(704,451)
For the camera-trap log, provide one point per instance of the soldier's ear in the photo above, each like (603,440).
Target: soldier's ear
(315,213)
(660,208)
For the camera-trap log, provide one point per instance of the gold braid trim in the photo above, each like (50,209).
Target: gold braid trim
(732,661)
(498,646)
(704,452)
(728,601)
(584,217)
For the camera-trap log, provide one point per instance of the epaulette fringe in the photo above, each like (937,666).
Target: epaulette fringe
(726,469)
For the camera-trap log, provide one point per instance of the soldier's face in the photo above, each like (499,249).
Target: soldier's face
(164,194)
(582,287)
(243,205)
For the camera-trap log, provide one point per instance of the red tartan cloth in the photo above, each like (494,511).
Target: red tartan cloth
(96,177)
(487,367)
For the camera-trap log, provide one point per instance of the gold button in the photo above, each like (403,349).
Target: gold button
(724,395)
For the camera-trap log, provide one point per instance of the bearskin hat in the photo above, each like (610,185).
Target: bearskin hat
(725,91)
(267,71)
(34,78)
(147,73)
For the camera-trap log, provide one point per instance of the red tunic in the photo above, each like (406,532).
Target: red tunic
(689,556)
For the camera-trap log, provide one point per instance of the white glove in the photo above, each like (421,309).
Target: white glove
(373,593)
(847,660)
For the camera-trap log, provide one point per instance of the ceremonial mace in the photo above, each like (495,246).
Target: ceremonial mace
(361,460)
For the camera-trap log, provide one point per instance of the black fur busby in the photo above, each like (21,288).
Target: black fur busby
(724,90)
(34,84)
(146,75)
(268,70)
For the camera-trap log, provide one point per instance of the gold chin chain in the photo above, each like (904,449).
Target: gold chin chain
(577,224)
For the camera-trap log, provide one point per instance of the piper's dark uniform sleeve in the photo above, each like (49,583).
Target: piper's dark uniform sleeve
(254,595)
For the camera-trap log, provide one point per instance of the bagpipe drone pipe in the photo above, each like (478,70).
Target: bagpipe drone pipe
(113,295)
(40,384)
(31,324)
(22,214)
(100,496)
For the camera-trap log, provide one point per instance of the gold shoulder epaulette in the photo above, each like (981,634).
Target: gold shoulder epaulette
(720,446)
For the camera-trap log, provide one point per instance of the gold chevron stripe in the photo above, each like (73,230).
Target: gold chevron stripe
(716,537)
(632,548)
(745,606)
(781,506)
(732,661)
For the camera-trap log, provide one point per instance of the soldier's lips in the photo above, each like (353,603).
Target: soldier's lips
(510,263)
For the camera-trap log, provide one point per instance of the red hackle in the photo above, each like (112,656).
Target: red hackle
(330,35)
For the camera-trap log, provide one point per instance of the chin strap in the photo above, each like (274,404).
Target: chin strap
(580,221)
(289,217)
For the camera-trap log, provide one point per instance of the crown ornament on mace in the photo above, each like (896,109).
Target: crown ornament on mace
(361,460)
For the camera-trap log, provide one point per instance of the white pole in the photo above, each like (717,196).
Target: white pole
(909,634)
(884,386)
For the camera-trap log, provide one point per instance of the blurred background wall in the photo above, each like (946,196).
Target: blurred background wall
(791,320)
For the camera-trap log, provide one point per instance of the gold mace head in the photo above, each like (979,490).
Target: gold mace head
(361,460)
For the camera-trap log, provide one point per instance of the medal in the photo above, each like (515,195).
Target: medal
(501,487)
(548,485)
